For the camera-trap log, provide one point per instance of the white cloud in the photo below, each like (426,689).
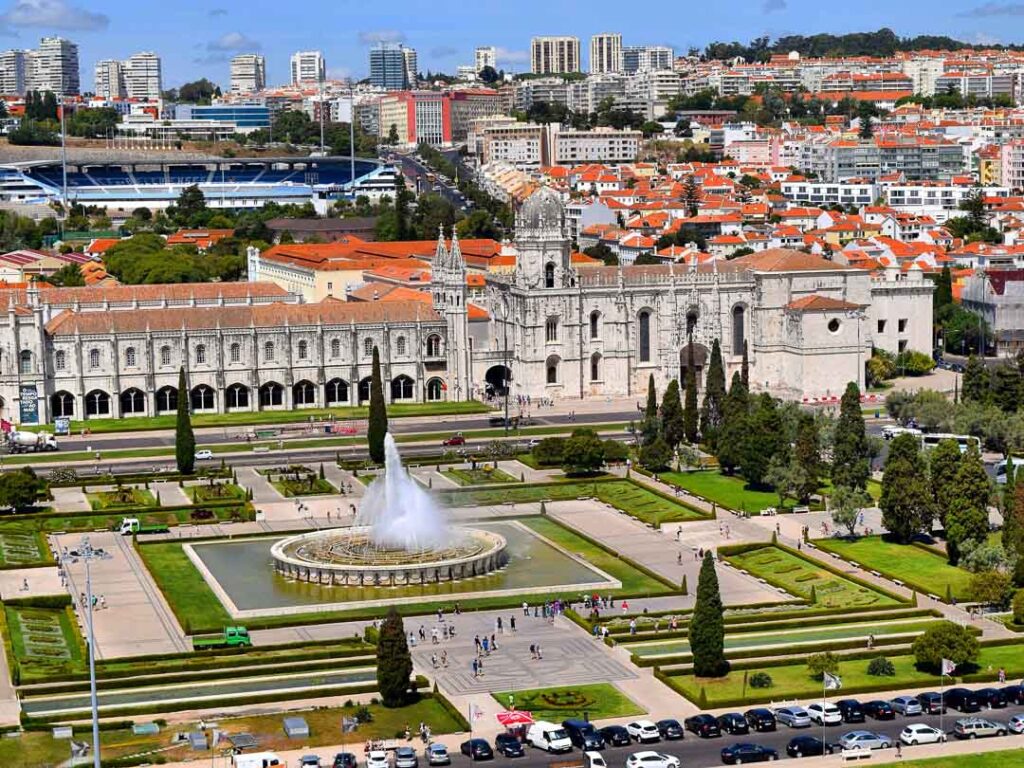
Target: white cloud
(381,36)
(53,15)
(994,9)
(773,6)
(233,41)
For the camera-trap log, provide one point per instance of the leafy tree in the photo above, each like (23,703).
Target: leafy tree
(190,206)
(820,663)
(765,439)
(1013,532)
(787,478)
(394,662)
(184,437)
(845,506)
(906,500)
(377,426)
(976,382)
(691,194)
(1006,387)
(615,451)
(707,629)
(714,396)
(690,414)
(68,276)
(967,516)
(550,451)
(19,489)
(945,640)
(733,431)
(993,588)
(807,455)
(488,75)
(850,447)
(656,455)
(943,295)
(672,415)
(650,427)
(1018,607)
(944,461)
(583,453)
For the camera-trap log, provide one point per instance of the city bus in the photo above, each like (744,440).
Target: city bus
(1018,463)
(929,441)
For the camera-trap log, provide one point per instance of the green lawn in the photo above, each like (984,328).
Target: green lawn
(996,759)
(215,492)
(731,491)
(313,486)
(45,642)
(598,702)
(480,476)
(109,520)
(797,575)
(23,547)
(118,499)
(924,570)
(190,597)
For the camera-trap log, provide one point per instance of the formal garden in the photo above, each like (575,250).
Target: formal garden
(595,702)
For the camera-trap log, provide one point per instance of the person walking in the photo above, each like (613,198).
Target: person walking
(500,627)
(444,659)
(476,668)
(512,624)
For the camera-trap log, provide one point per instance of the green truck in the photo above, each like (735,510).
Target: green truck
(130,525)
(231,637)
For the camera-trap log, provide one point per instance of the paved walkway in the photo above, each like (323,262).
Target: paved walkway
(69,500)
(171,495)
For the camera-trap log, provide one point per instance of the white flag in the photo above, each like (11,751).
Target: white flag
(948,667)
(833,682)
(475,713)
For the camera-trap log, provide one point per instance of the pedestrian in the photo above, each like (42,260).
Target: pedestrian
(899,749)
(632,626)
(476,668)
(512,624)
(625,607)
(444,659)
(494,643)
(412,640)
(480,667)
(440,615)
(476,643)
(423,632)
(678,531)
(679,558)
(103,601)
(498,624)
(533,651)
(539,654)
(1002,675)
(433,663)
(434,638)
(526,609)
(24,585)
(485,646)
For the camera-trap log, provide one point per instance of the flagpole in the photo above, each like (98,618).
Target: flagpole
(824,687)
(942,698)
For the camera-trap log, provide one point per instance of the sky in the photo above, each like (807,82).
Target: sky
(197,38)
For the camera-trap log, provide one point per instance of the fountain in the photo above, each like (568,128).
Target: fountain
(401,536)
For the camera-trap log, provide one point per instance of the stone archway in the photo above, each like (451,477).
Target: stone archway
(497,378)
(701,356)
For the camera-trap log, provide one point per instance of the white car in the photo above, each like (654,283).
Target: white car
(919,733)
(206,453)
(377,758)
(1016,724)
(824,713)
(643,730)
(794,717)
(651,760)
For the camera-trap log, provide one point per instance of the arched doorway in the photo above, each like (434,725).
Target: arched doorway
(271,395)
(97,403)
(700,360)
(133,402)
(202,398)
(303,394)
(401,388)
(364,390)
(166,399)
(435,390)
(336,392)
(236,397)
(62,404)
(497,379)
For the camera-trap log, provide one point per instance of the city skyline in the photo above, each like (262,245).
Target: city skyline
(444,38)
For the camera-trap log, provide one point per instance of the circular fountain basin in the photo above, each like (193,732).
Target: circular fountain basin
(350,558)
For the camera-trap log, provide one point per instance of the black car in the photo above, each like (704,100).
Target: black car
(807,746)
(507,745)
(1014,694)
(477,749)
(583,734)
(704,725)
(615,736)
(748,753)
(344,760)
(880,710)
(931,703)
(993,698)
(733,723)
(670,729)
(962,700)
(760,719)
(851,710)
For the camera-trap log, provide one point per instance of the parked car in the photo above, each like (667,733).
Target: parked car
(457,439)
(824,713)
(744,753)
(477,749)
(704,725)
(651,760)
(880,710)
(993,698)
(906,705)
(670,729)
(583,734)
(344,760)
(977,727)
(405,757)
(919,733)
(962,700)
(931,703)
(643,730)
(852,710)
(437,754)
(549,737)
(507,745)
(309,761)
(864,740)
(1014,694)
(1016,724)
(204,453)
(377,758)
(794,717)
(807,746)
(733,723)
(615,735)
(760,719)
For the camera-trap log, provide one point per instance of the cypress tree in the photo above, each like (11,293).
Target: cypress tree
(975,381)
(707,630)
(1013,532)
(377,426)
(745,368)
(394,663)
(714,396)
(943,290)
(650,428)
(672,415)
(807,453)
(184,437)
(733,431)
(690,410)
(850,443)
(967,516)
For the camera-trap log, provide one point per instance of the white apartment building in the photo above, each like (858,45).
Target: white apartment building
(605,53)
(554,55)
(601,145)
(248,73)
(308,67)
(53,66)
(12,72)
(553,90)
(646,58)
(411,66)
(519,144)
(108,80)
(485,56)
(143,77)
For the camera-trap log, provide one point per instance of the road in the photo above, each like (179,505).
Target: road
(416,170)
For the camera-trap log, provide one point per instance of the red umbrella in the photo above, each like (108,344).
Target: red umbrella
(517,717)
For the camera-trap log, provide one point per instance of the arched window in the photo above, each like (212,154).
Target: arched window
(25,361)
(165,355)
(129,357)
(691,323)
(133,401)
(271,395)
(166,399)
(552,370)
(303,393)
(94,359)
(303,350)
(738,329)
(335,348)
(549,275)
(595,324)
(237,396)
(336,391)
(435,390)
(97,403)
(60,361)
(400,346)
(368,347)
(62,404)
(551,329)
(201,398)
(235,352)
(644,322)
(364,390)
(268,351)
(401,388)
(433,345)
(595,367)
(201,354)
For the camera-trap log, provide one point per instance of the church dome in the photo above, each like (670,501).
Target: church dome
(541,210)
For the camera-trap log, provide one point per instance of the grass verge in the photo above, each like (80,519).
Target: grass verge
(597,702)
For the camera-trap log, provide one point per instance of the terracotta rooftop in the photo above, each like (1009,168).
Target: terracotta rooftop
(122,294)
(818,303)
(785,260)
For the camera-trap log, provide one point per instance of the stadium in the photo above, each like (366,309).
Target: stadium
(226,183)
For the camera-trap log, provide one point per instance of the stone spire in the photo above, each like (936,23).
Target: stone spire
(441,254)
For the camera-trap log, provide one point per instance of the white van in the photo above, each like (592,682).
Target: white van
(257,760)
(549,737)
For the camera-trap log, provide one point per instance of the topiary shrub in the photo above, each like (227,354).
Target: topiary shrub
(881,667)
(760,680)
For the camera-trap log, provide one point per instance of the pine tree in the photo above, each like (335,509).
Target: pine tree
(707,629)
(650,428)
(690,414)
(394,663)
(184,437)
(733,431)
(1006,387)
(764,441)
(975,381)
(943,295)
(906,500)
(943,463)
(714,396)
(745,368)
(377,426)
(967,516)
(850,443)
(807,454)
(672,417)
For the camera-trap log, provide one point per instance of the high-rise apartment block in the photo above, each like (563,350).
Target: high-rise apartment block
(138,77)
(411,66)
(53,66)
(389,66)
(12,72)
(646,58)
(605,53)
(485,56)
(109,79)
(308,68)
(554,55)
(248,73)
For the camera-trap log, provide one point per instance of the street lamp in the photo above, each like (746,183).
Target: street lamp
(88,554)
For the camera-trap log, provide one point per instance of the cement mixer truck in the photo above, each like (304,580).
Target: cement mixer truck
(30,442)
